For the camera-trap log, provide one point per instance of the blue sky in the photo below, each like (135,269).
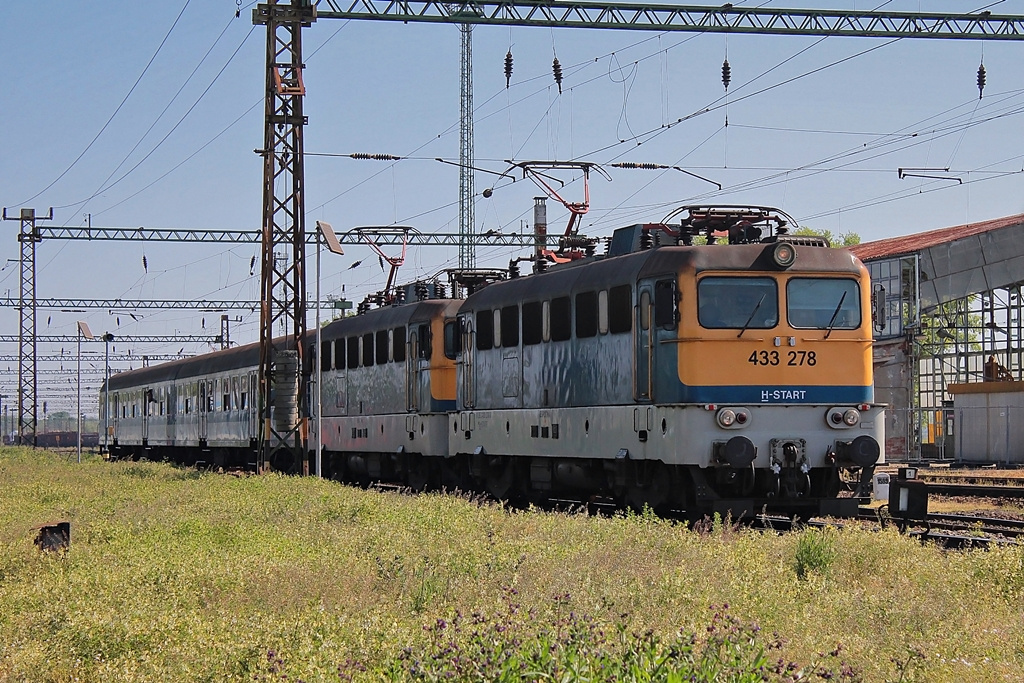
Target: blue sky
(816,127)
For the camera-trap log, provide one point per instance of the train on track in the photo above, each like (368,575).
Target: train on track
(734,376)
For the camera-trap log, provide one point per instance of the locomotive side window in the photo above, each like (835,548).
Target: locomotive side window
(823,303)
(561,319)
(738,302)
(545,315)
(353,352)
(326,354)
(665,310)
(339,354)
(586,315)
(398,344)
(368,349)
(533,323)
(645,310)
(382,347)
(497,327)
(510,326)
(452,339)
(484,331)
(620,309)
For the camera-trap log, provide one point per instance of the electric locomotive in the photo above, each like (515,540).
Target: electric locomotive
(701,378)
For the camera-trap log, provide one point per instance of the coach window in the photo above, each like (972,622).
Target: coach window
(326,354)
(484,330)
(353,352)
(510,326)
(738,302)
(620,309)
(823,303)
(368,349)
(666,313)
(452,339)
(561,319)
(533,323)
(586,315)
(382,347)
(398,344)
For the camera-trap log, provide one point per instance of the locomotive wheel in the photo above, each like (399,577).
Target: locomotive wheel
(500,477)
(651,486)
(419,474)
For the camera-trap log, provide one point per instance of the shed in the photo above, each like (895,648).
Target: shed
(990,422)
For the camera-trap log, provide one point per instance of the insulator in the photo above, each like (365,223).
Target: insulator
(440,291)
(646,240)
(400,296)
(374,157)
(508,68)
(487,192)
(145,263)
(646,166)
(981,79)
(556,69)
(421,291)
(513,269)
(726,74)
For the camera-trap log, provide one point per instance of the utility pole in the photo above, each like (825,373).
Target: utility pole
(467,179)
(284,409)
(28,236)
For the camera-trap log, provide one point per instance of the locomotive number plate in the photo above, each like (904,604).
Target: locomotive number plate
(789,358)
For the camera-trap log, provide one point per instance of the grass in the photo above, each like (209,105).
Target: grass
(175,575)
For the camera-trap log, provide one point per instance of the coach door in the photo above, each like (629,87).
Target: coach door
(412,370)
(205,399)
(468,380)
(642,365)
(147,402)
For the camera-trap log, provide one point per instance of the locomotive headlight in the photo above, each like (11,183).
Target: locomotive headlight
(726,417)
(784,255)
(851,417)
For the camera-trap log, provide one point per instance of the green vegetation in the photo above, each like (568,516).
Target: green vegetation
(176,575)
(843,239)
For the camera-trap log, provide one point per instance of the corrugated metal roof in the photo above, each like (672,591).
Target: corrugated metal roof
(909,244)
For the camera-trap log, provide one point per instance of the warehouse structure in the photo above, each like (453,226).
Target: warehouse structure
(948,317)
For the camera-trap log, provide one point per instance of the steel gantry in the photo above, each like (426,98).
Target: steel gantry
(639,16)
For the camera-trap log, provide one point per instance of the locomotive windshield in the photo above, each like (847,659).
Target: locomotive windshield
(823,303)
(738,302)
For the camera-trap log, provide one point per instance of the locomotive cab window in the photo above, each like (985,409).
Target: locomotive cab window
(368,349)
(484,330)
(666,313)
(738,303)
(823,303)
(452,339)
(426,341)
